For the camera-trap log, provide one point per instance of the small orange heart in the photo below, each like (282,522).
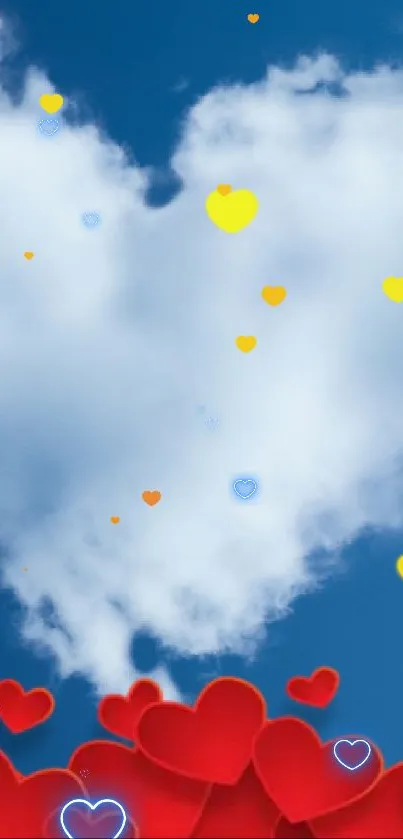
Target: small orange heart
(253,18)
(28,255)
(224,189)
(115,519)
(151,497)
(274,294)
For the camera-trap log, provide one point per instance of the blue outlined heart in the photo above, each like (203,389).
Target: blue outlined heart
(49,127)
(352,754)
(91,219)
(93,807)
(245,488)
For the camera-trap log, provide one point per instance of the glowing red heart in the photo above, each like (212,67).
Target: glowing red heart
(121,714)
(317,690)
(213,741)
(378,813)
(27,802)
(243,810)
(20,710)
(301,775)
(161,804)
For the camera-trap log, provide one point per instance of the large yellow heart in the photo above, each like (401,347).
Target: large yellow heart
(393,288)
(51,102)
(231,211)
(246,343)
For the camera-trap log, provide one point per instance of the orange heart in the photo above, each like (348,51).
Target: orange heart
(274,294)
(28,255)
(151,497)
(115,519)
(253,18)
(224,189)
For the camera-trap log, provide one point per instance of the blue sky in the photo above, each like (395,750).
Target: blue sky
(136,74)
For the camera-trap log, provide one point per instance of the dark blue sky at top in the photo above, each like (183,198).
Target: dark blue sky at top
(125,62)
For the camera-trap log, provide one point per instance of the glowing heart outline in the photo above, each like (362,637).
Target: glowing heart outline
(91,219)
(52,124)
(351,743)
(245,481)
(93,807)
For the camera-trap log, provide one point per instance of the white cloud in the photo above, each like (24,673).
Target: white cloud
(110,339)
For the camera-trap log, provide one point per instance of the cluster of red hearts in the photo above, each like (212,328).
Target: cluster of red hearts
(221,768)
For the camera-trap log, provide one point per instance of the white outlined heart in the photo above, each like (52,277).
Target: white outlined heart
(352,743)
(93,807)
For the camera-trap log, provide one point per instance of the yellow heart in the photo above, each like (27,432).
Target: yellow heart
(51,102)
(246,343)
(233,210)
(393,288)
(29,254)
(274,294)
(253,18)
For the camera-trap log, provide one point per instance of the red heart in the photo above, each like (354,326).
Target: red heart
(286,830)
(159,803)
(300,773)
(26,803)
(120,714)
(379,813)
(318,689)
(212,741)
(9,791)
(20,710)
(243,810)
(42,793)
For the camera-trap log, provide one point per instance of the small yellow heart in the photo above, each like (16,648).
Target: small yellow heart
(51,102)
(253,18)
(274,294)
(393,288)
(231,211)
(29,255)
(246,343)
(115,519)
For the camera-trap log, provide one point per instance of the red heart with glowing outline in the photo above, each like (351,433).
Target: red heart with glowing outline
(242,810)
(161,804)
(121,714)
(26,802)
(317,690)
(21,710)
(378,813)
(301,775)
(213,741)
